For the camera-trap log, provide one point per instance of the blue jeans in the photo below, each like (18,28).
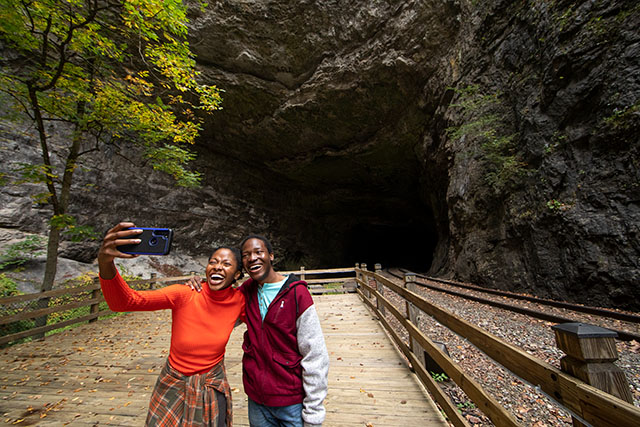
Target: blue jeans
(275,416)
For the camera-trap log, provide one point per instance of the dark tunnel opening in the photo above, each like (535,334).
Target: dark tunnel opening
(406,246)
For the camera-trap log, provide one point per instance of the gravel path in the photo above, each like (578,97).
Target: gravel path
(526,403)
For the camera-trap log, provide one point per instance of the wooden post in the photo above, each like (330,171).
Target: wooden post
(379,288)
(590,352)
(302,273)
(413,314)
(152,285)
(95,294)
(366,292)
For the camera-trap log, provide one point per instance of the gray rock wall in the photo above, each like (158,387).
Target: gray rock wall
(338,123)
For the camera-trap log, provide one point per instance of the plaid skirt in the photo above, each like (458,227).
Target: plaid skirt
(190,401)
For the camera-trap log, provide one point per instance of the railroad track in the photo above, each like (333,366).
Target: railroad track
(479,294)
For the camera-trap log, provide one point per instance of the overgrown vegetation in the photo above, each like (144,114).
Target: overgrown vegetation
(439,376)
(8,287)
(18,253)
(481,121)
(116,74)
(622,119)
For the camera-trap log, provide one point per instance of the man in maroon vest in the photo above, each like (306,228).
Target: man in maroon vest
(285,363)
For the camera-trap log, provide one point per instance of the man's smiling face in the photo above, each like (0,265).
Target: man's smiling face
(256,259)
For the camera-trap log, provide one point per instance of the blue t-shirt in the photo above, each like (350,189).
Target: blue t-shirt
(266,293)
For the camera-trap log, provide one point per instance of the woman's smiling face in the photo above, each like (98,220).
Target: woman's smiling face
(222,269)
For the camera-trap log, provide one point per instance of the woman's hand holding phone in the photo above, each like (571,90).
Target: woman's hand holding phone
(124,233)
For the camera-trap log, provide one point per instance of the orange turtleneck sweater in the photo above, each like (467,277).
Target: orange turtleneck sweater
(201,321)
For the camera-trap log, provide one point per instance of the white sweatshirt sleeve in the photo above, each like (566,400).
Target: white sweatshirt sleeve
(315,366)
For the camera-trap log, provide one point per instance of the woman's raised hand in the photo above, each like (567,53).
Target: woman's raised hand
(117,236)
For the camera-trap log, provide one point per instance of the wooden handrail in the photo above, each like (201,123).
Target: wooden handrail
(476,393)
(48,294)
(42,329)
(443,400)
(96,298)
(329,280)
(25,315)
(587,402)
(325,271)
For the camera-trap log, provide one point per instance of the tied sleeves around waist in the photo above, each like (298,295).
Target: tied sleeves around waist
(189,401)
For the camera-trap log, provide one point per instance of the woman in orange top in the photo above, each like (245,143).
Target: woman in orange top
(192,389)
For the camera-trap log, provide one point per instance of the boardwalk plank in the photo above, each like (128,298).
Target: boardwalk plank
(104,373)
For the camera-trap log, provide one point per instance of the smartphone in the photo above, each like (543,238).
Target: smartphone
(153,241)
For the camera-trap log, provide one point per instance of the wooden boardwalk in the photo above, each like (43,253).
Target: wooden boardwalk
(103,373)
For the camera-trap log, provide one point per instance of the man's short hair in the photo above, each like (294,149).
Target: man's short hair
(266,241)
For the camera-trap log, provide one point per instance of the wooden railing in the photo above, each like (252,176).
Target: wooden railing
(26,307)
(585,402)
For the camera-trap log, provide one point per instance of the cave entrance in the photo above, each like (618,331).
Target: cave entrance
(407,246)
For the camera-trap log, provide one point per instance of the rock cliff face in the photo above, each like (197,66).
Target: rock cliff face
(494,142)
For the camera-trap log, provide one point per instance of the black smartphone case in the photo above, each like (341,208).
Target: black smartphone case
(153,241)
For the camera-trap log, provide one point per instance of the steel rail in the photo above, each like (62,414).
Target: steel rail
(598,311)
(622,335)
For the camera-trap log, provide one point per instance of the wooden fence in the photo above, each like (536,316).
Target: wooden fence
(25,307)
(583,401)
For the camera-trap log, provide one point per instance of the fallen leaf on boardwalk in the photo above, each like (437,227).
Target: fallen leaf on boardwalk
(403,402)
(127,404)
(150,370)
(369,424)
(370,395)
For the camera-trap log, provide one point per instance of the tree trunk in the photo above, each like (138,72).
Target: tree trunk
(55,232)
(49,274)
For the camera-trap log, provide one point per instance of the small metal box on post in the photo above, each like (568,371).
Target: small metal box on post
(363,266)
(590,352)
(379,288)
(413,314)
